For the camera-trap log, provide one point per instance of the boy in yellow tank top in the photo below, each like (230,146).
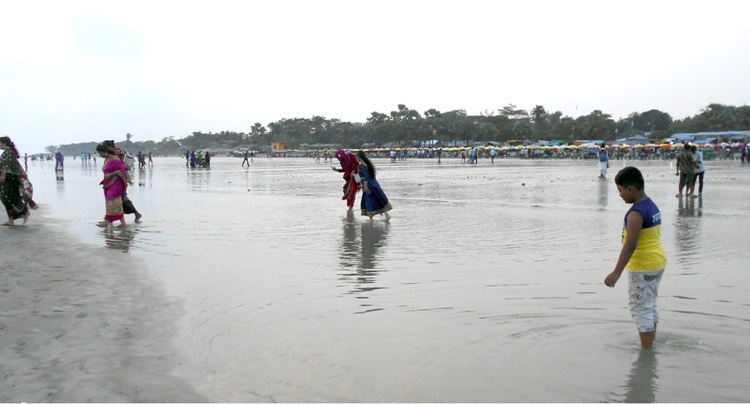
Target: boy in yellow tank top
(642,253)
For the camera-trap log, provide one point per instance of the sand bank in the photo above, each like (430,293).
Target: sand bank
(82,323)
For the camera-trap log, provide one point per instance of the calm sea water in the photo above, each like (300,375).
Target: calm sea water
(487,284)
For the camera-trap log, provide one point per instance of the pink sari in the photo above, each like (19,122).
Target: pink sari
(114,188)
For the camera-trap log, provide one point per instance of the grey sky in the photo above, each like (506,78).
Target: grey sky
(77,71)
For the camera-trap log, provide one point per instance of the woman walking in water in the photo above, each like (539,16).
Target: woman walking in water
(11,183)
(350,168)
(374,200)
(114,183)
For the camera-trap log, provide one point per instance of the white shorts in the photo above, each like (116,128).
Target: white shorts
(643,288)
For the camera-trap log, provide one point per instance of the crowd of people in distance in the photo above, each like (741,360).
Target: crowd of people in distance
(195,159)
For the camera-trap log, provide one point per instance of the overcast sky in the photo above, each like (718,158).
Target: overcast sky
(78,71)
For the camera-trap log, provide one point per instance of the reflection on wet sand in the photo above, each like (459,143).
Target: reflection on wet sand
(199,177)
(603,194)
(360,252)
(349,247)
(142,176)
(690,207)
(687,229)
(373,237)
(641,385)
(119,238)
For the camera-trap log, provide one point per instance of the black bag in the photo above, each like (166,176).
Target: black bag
(127,206)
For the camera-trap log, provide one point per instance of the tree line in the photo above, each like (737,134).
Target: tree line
(405,126)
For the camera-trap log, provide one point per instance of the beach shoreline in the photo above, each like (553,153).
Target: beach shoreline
(254,285)
(83,327)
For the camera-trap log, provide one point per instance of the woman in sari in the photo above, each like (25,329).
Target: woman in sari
(350,168)
(11,183)
(374,200)
(114,183)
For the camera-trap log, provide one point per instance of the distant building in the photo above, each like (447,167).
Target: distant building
(319,146)
(633,140)
(711,137)
(280,146)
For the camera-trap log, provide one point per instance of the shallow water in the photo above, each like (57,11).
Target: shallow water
(487,284)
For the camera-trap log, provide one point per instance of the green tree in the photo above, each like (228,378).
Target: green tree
(598,125)
(488,131)
(523,129)
(513,113)
(539,115)
(259,134)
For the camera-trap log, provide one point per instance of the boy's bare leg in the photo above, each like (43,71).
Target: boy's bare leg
(647,339)
(138,217)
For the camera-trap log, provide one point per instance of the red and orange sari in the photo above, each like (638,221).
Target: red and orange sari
(350,168)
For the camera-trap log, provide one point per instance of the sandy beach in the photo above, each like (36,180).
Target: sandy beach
(83,327)
(254,285)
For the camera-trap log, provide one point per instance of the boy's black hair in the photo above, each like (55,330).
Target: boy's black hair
(630,177)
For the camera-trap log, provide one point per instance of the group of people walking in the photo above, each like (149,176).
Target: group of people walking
(16,191)
(359,174)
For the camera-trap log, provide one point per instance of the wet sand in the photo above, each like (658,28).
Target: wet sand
(487,285)
(79,326)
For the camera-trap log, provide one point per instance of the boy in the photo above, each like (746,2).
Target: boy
(642,253)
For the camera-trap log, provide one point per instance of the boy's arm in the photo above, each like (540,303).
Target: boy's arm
(635,223)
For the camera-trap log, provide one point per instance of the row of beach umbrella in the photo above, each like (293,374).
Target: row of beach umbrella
(562,147)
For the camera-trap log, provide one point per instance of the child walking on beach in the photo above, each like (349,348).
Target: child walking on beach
(642,253)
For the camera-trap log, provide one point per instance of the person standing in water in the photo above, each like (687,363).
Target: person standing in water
(686,163)
(603,161)
(374,201)
(245,160)
(642,253)
(350,168)
(700,170)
